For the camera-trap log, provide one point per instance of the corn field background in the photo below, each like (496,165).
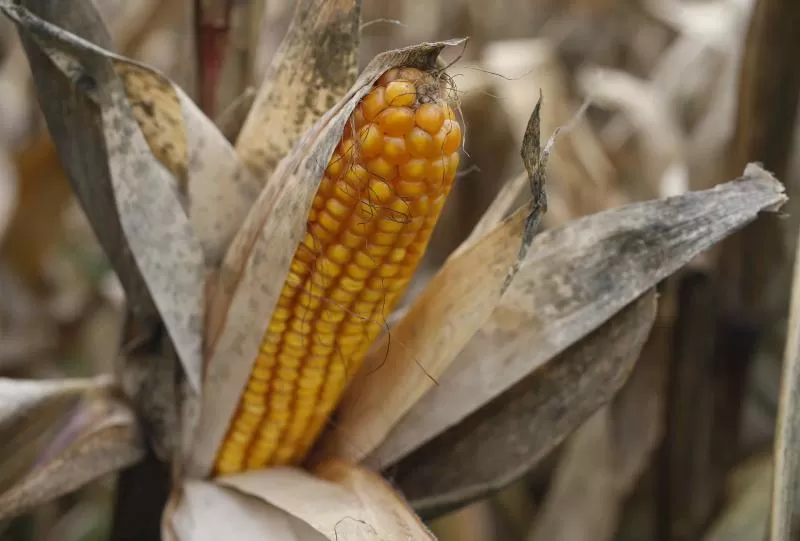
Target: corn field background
(653,99)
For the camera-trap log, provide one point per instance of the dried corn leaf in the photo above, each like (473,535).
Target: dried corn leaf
(407,361)
(313,68)
(511,434)
(204,171)
(340,501)
(160,236)
(252,273)
(575,278)
(68,112)
(61,434)
(204,511)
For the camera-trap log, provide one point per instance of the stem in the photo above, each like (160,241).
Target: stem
(213,25)
(142,492)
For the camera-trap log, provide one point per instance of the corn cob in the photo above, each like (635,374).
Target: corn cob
(371,219)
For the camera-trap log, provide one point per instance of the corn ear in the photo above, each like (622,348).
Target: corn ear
(367,230)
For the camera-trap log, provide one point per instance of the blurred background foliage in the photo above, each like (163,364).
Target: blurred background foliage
(677,98)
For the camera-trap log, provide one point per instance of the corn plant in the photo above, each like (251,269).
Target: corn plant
(260,275)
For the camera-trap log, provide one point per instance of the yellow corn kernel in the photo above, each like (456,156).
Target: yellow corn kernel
(371,219)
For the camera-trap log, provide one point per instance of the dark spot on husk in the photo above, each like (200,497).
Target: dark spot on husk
(85,83)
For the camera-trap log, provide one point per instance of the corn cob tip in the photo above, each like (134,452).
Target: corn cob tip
(381,195)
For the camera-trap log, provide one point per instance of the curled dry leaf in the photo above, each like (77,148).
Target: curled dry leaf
(159,234)
(340,501)
(264,247)
(61,434)
(563,292)
(314,67)
(407,361)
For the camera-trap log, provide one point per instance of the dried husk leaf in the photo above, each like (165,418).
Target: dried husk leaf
(409,359)
(574,278)
(62,434)
(314,67)
(511,434)
(248,286)
(340,501)
(160,236)
(208,511)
